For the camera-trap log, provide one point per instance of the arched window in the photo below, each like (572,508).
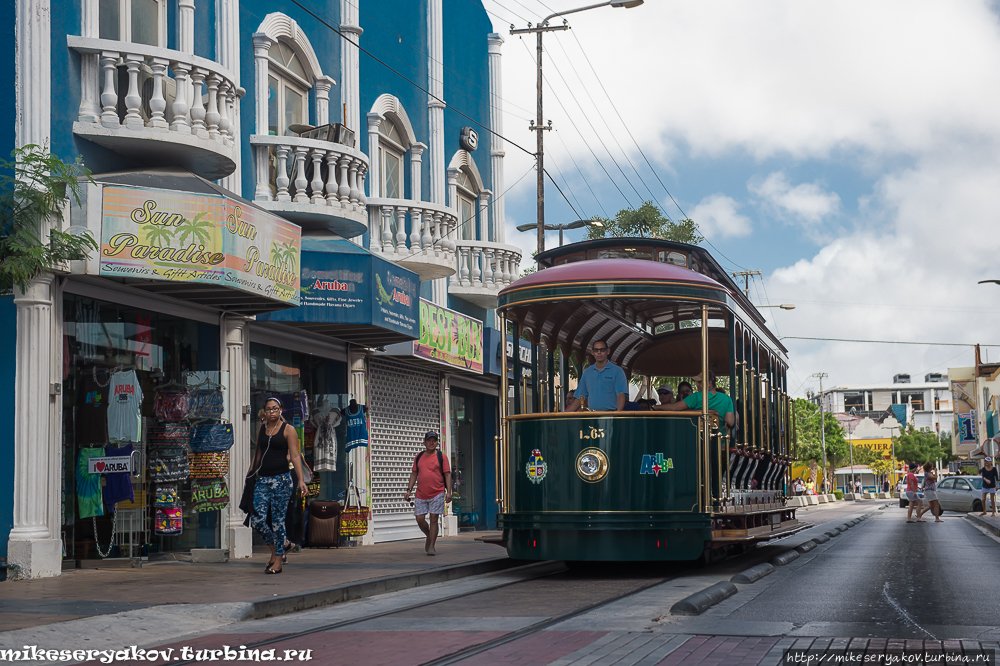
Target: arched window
(468,192)
(288,89)
(391,149)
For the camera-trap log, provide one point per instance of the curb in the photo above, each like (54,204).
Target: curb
(753,574)
(821,539)
(292,603)
(982,522)
(805,547)
(786,558)
(699,602)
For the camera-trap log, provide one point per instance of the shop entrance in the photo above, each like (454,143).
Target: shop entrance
(468,459)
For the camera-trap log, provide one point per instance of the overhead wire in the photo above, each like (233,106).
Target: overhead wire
(568,186)
(889,342)
(580,171)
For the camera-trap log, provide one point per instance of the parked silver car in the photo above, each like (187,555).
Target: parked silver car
(961,493)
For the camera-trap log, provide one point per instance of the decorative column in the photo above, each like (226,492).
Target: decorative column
(185,26)
(322,86)
(261,45)
(497,220)
(416,155)
(32,54)
(33,547)
(350,83)
(237,359)
(90,66)
(359,459)
(435,108)
(374,168)
(484,215)
(449,521)
(227,53)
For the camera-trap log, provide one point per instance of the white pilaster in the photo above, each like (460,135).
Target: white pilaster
(261,45)
(350,84)
(497,219)
(374,168)
(227,53)
(449,522)
(32,547)
(359,458)
(484,215)
(323,85)
(33,72)
(416,183)
(90,67)
(435,110)
(439,292)
(185,26)
(237,363)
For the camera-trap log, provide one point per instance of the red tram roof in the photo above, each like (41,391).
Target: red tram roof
(614,270)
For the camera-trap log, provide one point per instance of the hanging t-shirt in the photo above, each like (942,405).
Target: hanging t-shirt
(357,428)
(118,485)
(125,399)
(92,401)
(88,486)
(325,440)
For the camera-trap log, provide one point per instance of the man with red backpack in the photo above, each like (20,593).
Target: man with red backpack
(432,475)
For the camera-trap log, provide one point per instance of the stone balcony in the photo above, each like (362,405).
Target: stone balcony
(428,249)
(316,184)
(158,106)
(482,270)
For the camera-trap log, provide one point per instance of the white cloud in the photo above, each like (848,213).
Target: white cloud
(716,217)
(807,201)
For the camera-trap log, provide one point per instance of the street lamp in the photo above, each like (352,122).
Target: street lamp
(822,419)
(561,227)
(892,441)
(850,440)
(538,125)
(783,306)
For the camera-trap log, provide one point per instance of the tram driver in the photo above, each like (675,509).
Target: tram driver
(603,385)
(720,402)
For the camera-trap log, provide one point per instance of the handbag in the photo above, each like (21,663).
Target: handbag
(169,466)
(209,465)
(354,519)
(168,434)
(211,437)
(166,495)
(206,403)
(168,522)
(209,495)
(173,406)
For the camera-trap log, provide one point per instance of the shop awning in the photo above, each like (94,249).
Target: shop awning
(354,295)
(170,232)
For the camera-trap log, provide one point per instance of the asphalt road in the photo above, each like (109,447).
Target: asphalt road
(888,578)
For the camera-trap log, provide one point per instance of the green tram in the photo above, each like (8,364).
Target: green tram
(640,485)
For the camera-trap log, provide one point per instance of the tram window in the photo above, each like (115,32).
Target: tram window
(622,253)
(570,259)
(664,328)
(671,257)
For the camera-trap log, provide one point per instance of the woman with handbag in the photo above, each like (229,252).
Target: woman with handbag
(277,444)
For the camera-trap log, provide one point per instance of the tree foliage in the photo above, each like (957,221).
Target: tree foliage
(920,446)
(810,444)
(33,187)
(647,221)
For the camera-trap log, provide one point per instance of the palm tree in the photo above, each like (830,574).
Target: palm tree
(199,230)
(277,256)
(158,235)
(290,255)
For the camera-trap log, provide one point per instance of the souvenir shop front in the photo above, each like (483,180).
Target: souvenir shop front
(433,383)
(154,357)
(314,359)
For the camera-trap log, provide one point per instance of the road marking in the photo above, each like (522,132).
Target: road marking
(899,609)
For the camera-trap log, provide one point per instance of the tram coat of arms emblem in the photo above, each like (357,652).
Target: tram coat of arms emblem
(536,468)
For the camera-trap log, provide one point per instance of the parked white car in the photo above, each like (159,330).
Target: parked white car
(961,493)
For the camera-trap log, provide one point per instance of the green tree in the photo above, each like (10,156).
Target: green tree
(33,187)
(647,221)
(810,444)
(922,446)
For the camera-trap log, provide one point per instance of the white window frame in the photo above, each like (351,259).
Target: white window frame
(467,230)
(125,22)
(387,146)
(288,79)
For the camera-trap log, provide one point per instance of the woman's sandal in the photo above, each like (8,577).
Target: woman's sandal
(269,570)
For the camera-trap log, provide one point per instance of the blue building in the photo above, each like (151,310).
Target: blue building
(292,199)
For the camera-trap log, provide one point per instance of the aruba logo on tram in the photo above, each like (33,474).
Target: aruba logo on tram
(536,468)
(655,463)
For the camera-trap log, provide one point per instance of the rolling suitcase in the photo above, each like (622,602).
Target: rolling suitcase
(323,526)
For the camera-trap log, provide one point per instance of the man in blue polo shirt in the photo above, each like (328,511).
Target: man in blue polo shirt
(720,402)
(603,384)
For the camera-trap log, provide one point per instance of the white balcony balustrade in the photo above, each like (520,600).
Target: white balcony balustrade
(158,106)
(418,235)
(316,184)
(482,270)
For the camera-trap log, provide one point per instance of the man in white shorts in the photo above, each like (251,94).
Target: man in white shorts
(432,475)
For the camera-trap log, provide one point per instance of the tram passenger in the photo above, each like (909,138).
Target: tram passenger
(570,399)
(603,385)
(720,402)
(684,390)
(665,394)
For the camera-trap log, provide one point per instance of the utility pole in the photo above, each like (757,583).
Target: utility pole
(746,275)
(822,419)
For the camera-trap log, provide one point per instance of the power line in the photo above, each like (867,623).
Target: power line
(568,186)
(416,85)
(887,342)
(580,171)
(575,212)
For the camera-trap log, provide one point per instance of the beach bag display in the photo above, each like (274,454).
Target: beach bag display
(168,434)
(167,494)
(172,466)
(209,495)
(354,518)
(168,522)
(211,437)
(209,465)
(206,404)
(313,487)
(172,406)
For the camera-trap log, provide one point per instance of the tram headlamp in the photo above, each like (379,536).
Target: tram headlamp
(592,465)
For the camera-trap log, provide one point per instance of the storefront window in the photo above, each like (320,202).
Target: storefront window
(313,392)
(467,459)
(136,384)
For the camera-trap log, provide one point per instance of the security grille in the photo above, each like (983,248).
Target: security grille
(405,404)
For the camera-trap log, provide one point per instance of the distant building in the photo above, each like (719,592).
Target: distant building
(975,408)
(924,404)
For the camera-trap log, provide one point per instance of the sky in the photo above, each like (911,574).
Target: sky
(850,151)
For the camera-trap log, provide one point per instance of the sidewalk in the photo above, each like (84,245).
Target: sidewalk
(315,576)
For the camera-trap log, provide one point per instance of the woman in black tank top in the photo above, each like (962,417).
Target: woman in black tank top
(277,444)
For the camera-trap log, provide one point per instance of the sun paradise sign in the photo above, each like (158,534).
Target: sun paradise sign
(176,236)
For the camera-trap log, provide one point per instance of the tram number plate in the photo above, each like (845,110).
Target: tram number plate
(775,520)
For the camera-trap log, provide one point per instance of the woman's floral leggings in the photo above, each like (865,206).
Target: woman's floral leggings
(272,492)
